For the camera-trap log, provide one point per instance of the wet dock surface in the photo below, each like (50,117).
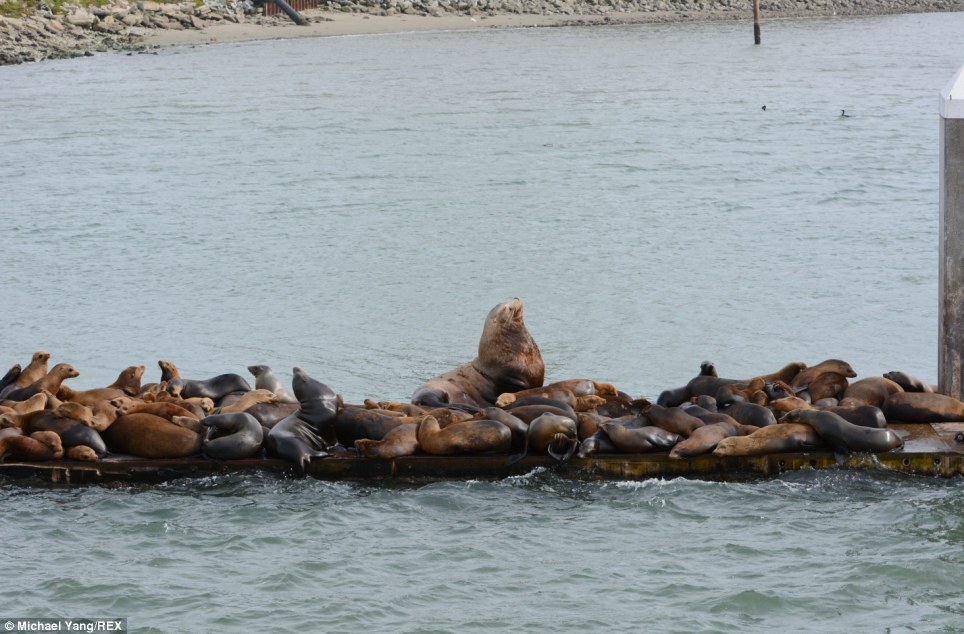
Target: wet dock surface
(929,449)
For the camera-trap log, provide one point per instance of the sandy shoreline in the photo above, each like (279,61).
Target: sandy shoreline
(328,23)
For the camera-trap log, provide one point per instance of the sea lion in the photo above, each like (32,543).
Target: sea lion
(783,438)
(50,382)
(355,423)
(674,420)
(9,378)
(35,403)
(826,385)
(99,417)
(508,361)
(864,415)
(232,436)
(128,383)
(149,436)
(517,426)
(543,401)
(246,401)
(785,374)
(400,441)
(310,431)
(214,388)
(71,432)
(542,438)
(922,407)
(466,437)
(706,438)
(81,453)
(597,443)
(168,371)
(777,390)
(576,388)
(751,414)
(909,383)
(872,390)
(269,414)
(35,370)
(640,439)
(529,413)
(264,379)
(403,409)
(809,375)
(37,447)
(843,436)
(788,404)
(165,409)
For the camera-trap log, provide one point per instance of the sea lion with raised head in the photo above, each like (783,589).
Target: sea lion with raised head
(508,361)
(231,436)
(310,431)
(50,382)
(264,379)
(128,383)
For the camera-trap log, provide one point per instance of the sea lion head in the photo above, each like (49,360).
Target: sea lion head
(257,370)
(65,370)
(52,440)
(40,356)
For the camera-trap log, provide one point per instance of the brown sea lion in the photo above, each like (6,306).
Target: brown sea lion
(872,390)
(575,388)
(843,436)
(508,361)
(751,414)
(400,441)
(827,385)
(808,375)
(529,413)
(50,382)
(550,433)
(128,383)
(517,426)
(81,453)
(783,438)
(922,407)
(402,409)
(356,423)
(706,438)
(264,379)
(785,374)
(909,383)
(246,401)
(788,404)
(640,439)
(35,370)
(34,403)
(99,417)
(466,437)
(149,436)
(37,447)
(164,409)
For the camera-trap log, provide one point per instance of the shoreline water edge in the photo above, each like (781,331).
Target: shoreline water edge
(142,26)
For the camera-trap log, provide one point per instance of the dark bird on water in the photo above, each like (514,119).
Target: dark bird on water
(764,107)
(843,113)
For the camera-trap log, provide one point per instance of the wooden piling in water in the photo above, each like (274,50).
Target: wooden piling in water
(950,372)
(756,21)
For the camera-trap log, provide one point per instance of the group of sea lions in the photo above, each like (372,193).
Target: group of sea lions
(496,403)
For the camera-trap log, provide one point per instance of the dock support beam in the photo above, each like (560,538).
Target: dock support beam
(296,17)
(950,358)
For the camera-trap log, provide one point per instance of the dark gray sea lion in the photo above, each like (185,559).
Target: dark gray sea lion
(539,400)
(508,361)
(400,441)
(751,414)
(264,379)
(310,431)
(842,436)
(71,432)
(706,438)
(9,378)
(640,439)
(783,438)
(575,388)
(269,414)
(599,442)
(673,419)
(864,416)
(517,426)
(214,388)
(465,437)
(232,436)
(528,413)
(542,438)
(909,383)
(922,407)
(35,370)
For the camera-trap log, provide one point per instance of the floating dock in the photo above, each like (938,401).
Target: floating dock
(929,450)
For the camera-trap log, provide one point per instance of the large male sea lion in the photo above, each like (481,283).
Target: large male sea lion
(508,361)
(231,436)
(310,431)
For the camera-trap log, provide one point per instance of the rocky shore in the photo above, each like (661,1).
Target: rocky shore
(122,25)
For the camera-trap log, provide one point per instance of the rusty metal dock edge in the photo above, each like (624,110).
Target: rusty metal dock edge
(929,450)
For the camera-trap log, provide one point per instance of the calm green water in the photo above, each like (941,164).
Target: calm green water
(356,205)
